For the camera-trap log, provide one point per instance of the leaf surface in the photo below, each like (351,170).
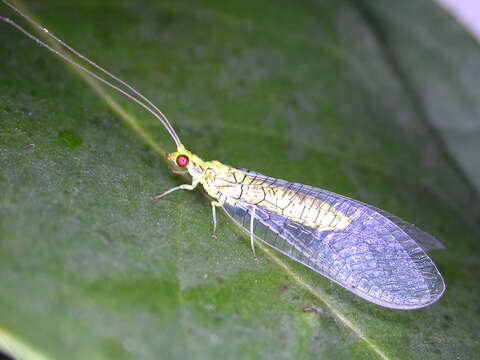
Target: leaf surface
(91,268)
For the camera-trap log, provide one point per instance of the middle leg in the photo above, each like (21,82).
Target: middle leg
(252,244)
(214,205)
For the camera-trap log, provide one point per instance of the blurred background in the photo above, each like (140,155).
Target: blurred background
(466,12)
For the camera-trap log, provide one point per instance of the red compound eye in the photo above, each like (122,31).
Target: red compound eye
(182,160)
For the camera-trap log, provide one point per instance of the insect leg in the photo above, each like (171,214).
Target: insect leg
(252,217)
(181,187)
(178,172)
(214,204)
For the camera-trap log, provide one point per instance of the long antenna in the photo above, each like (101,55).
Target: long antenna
(152,108)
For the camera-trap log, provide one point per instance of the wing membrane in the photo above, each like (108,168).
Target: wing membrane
(377,257)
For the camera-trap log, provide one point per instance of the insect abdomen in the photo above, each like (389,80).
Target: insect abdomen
(236,185)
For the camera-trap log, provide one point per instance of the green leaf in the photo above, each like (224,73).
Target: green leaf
(91,268)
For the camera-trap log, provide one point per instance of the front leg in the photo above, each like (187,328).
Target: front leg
(181,187)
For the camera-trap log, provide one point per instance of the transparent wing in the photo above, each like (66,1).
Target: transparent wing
(426,241)
(377,257)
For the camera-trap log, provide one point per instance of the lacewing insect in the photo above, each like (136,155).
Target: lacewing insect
(368,251)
